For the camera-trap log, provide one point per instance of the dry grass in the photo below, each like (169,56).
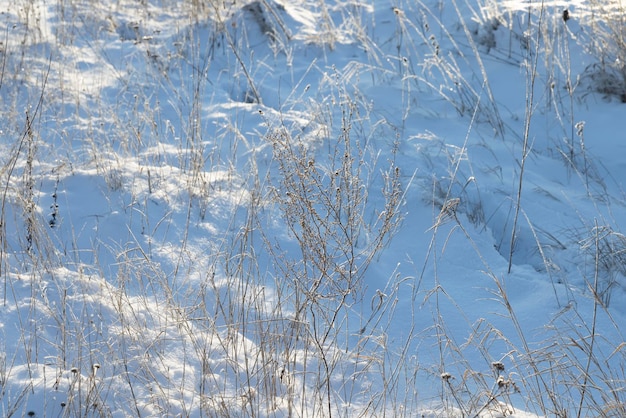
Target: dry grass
(270,315)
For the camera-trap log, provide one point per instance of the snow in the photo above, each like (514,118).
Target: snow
(309,208)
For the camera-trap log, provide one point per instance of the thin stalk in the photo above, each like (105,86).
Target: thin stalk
(596,302)
(530,100)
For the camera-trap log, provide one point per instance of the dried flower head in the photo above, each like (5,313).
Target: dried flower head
(498,365)
(566,15)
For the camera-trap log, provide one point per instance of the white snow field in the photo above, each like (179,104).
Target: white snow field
(312,208)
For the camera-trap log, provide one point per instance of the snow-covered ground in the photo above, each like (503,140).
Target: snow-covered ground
(312,208)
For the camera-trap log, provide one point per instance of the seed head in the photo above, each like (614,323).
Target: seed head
(565,15)
(498,365)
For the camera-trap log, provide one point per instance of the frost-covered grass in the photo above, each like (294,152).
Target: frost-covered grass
(312,208)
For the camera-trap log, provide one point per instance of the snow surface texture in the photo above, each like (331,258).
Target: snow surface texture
(312,208)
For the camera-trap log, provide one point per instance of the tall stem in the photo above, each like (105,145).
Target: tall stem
(531,74)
